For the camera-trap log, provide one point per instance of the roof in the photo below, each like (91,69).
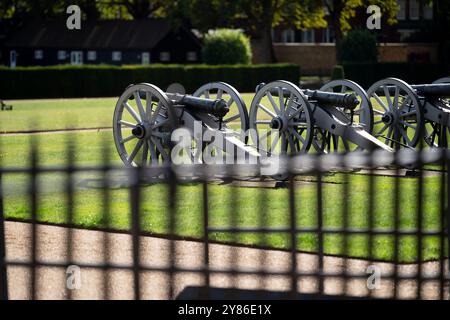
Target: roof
(102,34)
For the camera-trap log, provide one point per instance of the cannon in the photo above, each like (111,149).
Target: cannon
(145,118)
(318,118)
(405,114)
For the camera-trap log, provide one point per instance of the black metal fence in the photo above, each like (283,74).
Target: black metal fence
(160,266)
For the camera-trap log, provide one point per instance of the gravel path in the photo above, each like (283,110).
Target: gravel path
(89,248)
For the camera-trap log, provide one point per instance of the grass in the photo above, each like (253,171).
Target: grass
(60,114)
(251,206)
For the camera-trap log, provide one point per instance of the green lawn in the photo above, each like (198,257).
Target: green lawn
(63,114)
(251,207)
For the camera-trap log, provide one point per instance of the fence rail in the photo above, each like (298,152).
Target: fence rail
(234,267)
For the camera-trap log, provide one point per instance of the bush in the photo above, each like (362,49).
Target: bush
(108,81)
(337,73)
(358,46)
(367,74)
(226,46)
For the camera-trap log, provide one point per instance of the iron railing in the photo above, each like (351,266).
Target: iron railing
(210,266)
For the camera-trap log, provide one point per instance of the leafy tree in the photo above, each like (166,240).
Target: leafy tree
(256,17)
(343,12)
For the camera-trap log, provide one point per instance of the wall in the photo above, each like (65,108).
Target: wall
(319,58)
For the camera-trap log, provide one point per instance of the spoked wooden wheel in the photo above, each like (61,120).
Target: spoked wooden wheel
(437,135)
(398,113)
(237,117)
(323,140)
(142,125)
(281,119)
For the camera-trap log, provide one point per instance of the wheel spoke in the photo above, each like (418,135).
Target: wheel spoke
(235,117)
(281,98)
(405,136)
(380,102)
(274,143)
(272,102)
(127,124)
(409,125)
(137,97)
(298,136)
(262,122)
(128,139)
(148,102)
(160,148)
(378,112)
(407,114)
(135,151)
(219,94)
(230,102)
(388,97)
(145,153)
(383,129)
(397,92)
(270,113)
(132,112)
(296,112)
(206,93)
(155,114)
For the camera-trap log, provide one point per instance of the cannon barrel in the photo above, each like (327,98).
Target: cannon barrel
(436,90)
(433,90)
(343,100)
(218,107)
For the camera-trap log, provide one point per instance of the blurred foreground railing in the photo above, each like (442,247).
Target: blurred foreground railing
(318,278)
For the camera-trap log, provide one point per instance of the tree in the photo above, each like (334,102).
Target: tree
(342,12)
(256,17)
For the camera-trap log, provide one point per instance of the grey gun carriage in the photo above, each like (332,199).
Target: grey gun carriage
(287,119)
(405,114)
(339,111)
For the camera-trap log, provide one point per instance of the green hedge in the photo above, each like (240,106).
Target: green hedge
(104,81)
(413,73)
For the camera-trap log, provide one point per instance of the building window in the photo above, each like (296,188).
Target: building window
(308,36)
(327,35)
(61,55)
(145,58)
(38,54)
(164,56)
(401,14)
(288,36)
(428,11)
(92,55)
(414,9)
(191,56)
(117,56)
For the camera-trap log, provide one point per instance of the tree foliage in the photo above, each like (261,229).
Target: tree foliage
(226,46)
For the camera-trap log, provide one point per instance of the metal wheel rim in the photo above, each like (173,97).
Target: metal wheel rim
(362,115)
(403,108)
(154,115)
(234,100)
(296,109)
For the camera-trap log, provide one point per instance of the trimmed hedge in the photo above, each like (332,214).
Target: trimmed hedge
(106,81)
(367,74)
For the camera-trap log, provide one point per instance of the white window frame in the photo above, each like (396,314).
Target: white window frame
(76,58)
(38,54)
(401,13)
(92,55)
(414,10)
(62,55)
(191,56)
(288,36)
(309,36)
(145,58)
(116,56)
(13,58)
(164,56)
